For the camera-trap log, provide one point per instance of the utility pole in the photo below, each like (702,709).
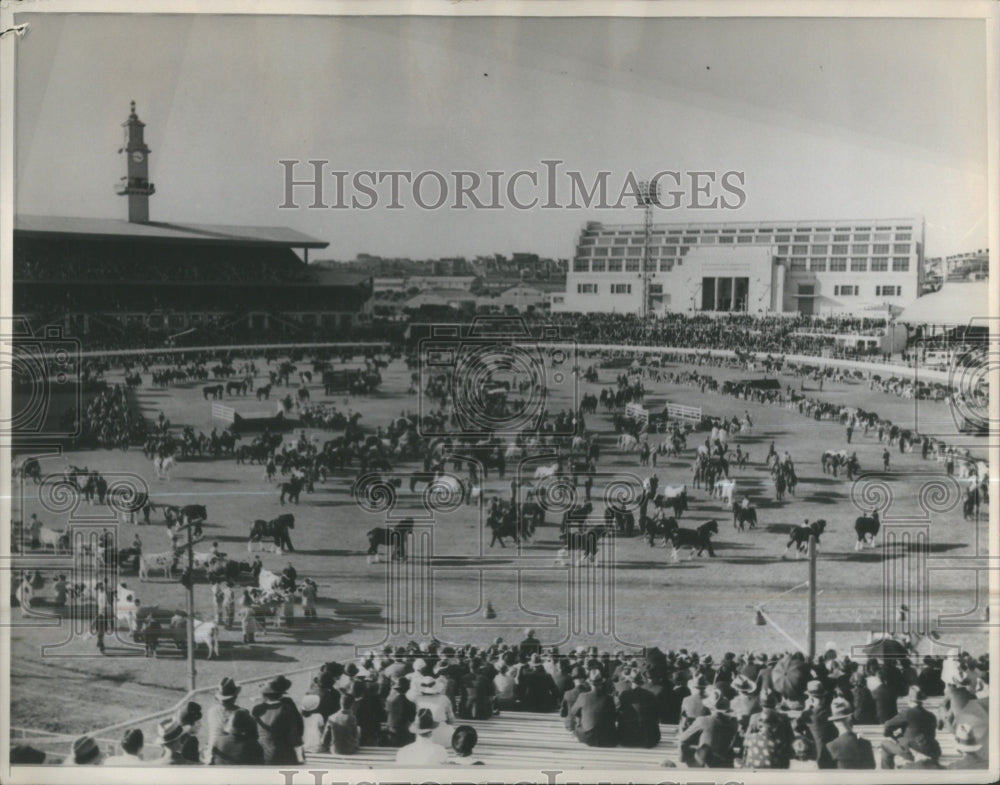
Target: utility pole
(811,639)
(189,585)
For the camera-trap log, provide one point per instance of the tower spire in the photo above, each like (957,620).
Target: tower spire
(135,185)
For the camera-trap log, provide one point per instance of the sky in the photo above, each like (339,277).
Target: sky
(825,118)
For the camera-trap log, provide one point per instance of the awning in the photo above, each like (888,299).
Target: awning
(954,305)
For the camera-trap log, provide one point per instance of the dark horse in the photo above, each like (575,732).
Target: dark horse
(585,540)
(698,540)
(742,516)
(393,537)
(276,528)
(291,489)
(215,390)
(867,527)
(799,536)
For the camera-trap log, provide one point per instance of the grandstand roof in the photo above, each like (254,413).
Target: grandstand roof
(954,305)
(159,231)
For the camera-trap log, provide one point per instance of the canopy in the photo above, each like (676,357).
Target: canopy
(953,305)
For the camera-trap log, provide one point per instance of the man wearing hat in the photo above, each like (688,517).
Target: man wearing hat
(530,645)
(580,686)
(848,750)
(593,714)
(220,713)
(190,719)
(239,746)
(745,703)
(400,712)
(692,707)
(638,714)
(708,742)
(171,737)
(279,723)
(423,751)
(969,740)
(958,695)
(131,746)
(534,687)
(903,729)
(815,722)
(85,752)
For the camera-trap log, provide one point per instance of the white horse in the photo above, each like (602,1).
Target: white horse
(627,442)
(543,472)
(162,466)
(47,536)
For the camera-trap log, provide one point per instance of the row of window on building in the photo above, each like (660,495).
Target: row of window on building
(618,235)
(841,264)
(853,290)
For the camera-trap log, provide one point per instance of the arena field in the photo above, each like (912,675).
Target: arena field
(634,596)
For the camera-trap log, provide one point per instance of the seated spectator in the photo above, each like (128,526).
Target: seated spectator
(239,745)
(848,751)
(535,689)
(190,719)
(463,742)
(503,683)
(865,710)
(341,731)
(580,685)
(768,740)
(171,738)
(638,714)
(131,745)
(429,694)
(85,752)
(400,712)
(423,751)
(924,753)
(593,714)
(313,723)
(708,742)
(905,728)
(970,740)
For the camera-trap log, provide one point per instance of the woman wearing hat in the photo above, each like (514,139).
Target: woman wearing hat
(970,736)
(427,692)
(85,752)
(131,746)
(238,746)
(313,723)
(769,736)
(223,710)
(424,751)
(279,723)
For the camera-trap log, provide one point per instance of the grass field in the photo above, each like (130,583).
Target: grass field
(634,596)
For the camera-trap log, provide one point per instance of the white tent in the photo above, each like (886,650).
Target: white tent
(954,305)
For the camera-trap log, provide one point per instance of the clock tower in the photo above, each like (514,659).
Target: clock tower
(135,185)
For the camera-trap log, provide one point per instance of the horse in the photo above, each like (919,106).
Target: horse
(660,527)
(743,516)
(867,528)
(303,394)
(393,537)
(162,464)
(726,491)
(215,390)
(673,497)
(264,392)
(33,469)
(585,541)
(275,528)
(627,442)
(699,540)
(799,536)
(45,537)
(292,489)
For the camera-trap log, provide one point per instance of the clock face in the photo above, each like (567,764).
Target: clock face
(137,156)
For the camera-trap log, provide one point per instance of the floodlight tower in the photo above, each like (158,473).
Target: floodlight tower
(649,195)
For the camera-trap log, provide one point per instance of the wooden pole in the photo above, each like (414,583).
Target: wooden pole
(811,633)
(190,609)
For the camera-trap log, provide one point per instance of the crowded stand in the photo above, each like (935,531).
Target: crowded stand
(429,704)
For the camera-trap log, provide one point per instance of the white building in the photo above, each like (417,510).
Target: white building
(809,267)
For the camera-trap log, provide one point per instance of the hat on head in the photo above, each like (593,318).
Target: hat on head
(191,714)
(841,709)
(310,703)
(596,677)
(743,684)
(132,740)
(697,683)
(424,723)
(170,730)
(85,750)
(277,686)
(916,694)
(535,660)
(430,686)
(966,738)
(815,687)
(707,660)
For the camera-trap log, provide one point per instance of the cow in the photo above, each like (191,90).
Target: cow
(799,536)
(699,540)
(867,528)
(166,561)
(206,632)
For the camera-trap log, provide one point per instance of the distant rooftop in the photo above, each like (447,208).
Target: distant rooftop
(158,231)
